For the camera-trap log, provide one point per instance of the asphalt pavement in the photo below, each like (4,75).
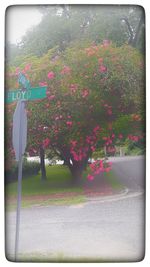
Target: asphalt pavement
(130,171)
(109,230)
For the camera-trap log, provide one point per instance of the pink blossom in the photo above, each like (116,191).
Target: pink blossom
(69,123)
(100,60)
(90,51)
(136,117)
(111,149)
(73,88)
(27,67)
(107,169)
(47,105)
(73,142)
(88,139)
(101,163)
(80,153)
(42,83)
(51,75)
(90,177)
(99,166)
(97,128)
(106,43)
(109,112)
(76,158)
(46,142)
(56,118)
(85,93)
(95,47)
(105,105)
(92,167)
(102,69)
(17,71)
(120,136)
(135,138)
(101,169)
(51,97)
(93,148)
(66,70)
(109,141)
(96,172)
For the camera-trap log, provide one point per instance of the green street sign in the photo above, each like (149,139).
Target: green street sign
(23,81)
(30,94)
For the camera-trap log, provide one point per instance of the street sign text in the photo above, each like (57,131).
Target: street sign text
(30,94)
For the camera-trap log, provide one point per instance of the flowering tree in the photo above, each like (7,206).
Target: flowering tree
(93,100)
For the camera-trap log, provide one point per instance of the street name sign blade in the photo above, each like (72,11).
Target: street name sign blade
(23,81)
(38,93)
(19,130)
(31,94)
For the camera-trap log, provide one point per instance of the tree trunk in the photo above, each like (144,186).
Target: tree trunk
(42,164)
(138,30)
(77,171)
(76,167)
(134,37)
(65,162)
(76,175)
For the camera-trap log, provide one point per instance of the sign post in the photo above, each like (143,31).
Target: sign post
(19,144)
(19,139)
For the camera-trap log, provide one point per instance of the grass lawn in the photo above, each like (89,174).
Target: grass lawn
(34,190)
(113,180)
(57,258)
(58,181)
(57,189)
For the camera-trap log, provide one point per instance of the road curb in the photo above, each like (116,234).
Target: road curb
(116,196)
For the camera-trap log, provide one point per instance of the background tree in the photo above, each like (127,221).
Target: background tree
(63,25)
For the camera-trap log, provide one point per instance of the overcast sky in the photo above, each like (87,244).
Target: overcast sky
(19,19)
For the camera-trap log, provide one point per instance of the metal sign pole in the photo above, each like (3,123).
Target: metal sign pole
(20,122)
(18,207)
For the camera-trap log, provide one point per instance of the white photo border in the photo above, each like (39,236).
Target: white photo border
(4,5)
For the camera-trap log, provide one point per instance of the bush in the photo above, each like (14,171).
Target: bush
(98,154)
(28,168)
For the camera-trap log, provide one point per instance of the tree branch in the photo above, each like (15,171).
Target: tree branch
(129,29)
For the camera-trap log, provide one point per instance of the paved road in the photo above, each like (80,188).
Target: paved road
(130,171)
(109,230)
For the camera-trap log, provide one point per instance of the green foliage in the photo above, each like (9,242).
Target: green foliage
(77,23)
(98,154)
(29,168)
(134,148)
